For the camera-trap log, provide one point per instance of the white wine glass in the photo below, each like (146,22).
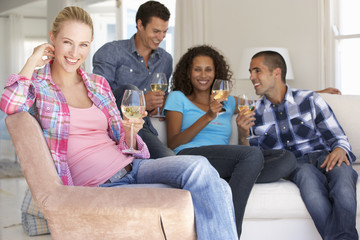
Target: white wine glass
(222,90)
(246,101)
(158,83)
(132,107)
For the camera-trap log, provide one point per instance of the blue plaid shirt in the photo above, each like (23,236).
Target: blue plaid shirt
(302,123)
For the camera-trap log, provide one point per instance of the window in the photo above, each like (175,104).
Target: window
(103,15)
(344,41)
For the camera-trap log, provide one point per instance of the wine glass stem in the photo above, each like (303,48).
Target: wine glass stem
(251,131)
(158,113)
(217,117)
(132,136)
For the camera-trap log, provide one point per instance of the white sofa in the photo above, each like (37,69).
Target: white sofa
(275,211)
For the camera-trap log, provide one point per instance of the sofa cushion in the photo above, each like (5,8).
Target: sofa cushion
(279,200)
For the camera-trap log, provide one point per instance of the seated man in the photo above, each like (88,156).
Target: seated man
(302,122)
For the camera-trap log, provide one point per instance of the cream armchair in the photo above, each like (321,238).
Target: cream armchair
(96,213)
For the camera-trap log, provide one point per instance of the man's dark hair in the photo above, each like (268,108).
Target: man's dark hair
(273,60)
(152,9)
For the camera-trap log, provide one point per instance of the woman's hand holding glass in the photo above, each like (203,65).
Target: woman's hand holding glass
(137,126)
(220,91)
(215,105)
(133,109)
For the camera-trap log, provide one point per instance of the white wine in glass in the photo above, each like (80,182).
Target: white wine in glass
(220,94)
(222,90)
(246,101)
(158,87)
(133,107)
(158,83)
(133,112)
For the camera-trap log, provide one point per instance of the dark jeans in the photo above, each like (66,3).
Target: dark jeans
(241,165)
(156,148)
(330,197)
(277,164)
(148,133)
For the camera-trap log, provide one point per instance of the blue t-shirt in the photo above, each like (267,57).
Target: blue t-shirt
(212,134)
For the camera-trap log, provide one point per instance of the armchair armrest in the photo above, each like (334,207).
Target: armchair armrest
(75,212)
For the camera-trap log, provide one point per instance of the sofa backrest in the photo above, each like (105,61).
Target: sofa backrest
(340,104)
(347,112)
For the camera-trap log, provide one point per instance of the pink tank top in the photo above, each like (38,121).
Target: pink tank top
(93,157)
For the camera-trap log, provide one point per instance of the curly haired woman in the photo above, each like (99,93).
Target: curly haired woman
(189,110)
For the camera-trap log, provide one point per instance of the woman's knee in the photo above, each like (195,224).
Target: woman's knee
(257,157)
(202,162)
(195,162)
(249,159)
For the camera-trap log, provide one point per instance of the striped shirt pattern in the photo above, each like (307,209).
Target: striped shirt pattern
(302,123)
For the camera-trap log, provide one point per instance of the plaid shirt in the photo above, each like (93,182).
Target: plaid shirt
(302,123)
(51,110)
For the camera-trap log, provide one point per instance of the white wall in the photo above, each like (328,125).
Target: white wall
(3,53)
(236,24)
(35,27)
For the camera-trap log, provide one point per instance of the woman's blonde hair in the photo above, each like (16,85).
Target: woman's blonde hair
(71,13)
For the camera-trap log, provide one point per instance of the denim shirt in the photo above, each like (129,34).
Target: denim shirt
(302,123)
(120,64)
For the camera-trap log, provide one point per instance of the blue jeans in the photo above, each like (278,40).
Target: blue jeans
(148,133)
(330,197)
(239,165)
(278,164)
(213,220)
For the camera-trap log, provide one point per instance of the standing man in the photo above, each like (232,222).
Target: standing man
(129,64)
(302,122)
